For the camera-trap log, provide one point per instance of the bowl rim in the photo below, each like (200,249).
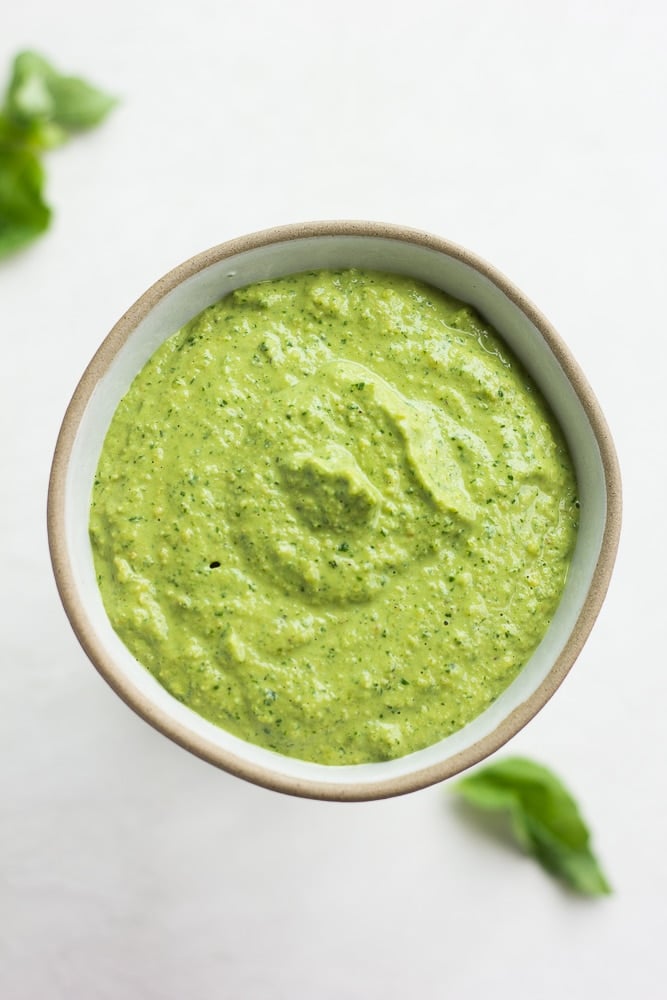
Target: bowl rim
(74,604)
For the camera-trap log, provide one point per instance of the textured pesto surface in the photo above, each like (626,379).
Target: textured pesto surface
(333,516)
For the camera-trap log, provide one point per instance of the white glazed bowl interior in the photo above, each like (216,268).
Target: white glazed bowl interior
(279,252)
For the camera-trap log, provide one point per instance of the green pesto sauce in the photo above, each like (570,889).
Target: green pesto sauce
(334,516)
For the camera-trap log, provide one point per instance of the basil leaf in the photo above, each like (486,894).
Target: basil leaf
(28,95)
(42,107)
(23,211)
(39,93)
(545,819)
(77,104)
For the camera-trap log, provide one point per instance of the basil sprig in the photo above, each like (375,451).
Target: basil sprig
(41,109)
(544,816)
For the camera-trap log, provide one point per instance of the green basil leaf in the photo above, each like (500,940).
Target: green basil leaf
(23,211)
(77,104)
(545,819)
(42,107)
(36,136)
(41,136)
(577,867)
(38,93)
(29,97)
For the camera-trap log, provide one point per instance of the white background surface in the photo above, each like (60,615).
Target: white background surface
(532,133)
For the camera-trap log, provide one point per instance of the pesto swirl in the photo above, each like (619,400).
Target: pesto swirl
(354,466)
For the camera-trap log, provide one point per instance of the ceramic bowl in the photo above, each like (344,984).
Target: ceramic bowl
(204,279)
